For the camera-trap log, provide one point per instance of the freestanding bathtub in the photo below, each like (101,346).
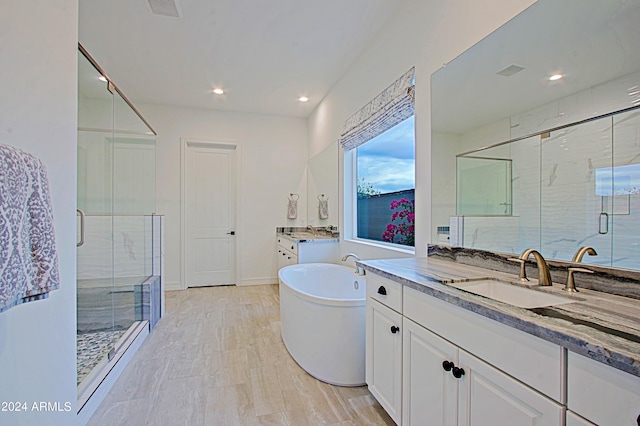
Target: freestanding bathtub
(322,312)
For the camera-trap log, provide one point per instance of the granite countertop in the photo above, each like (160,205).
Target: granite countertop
(308,237)
(616,342)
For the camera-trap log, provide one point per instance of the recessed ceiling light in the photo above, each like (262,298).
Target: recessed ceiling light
(303,99)
(218,91)
(102,78)
(555,77)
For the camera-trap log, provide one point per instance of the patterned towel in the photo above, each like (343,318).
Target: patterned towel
(292,209)
(323,209)
(28,256)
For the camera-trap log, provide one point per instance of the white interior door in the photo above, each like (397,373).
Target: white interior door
(210,192)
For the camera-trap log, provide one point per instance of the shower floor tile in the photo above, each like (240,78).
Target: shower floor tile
(92,348)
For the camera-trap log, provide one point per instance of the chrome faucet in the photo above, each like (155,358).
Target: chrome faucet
(359,269)
(544,277)
(581,252)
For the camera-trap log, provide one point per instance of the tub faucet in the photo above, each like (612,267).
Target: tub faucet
(544,277)
(582,251)
(359,269)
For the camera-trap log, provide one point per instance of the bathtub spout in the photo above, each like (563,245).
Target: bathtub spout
(359,269)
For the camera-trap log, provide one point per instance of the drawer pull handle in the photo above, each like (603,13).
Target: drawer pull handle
(382,290)
(447,365)
(457,372)
(394,329)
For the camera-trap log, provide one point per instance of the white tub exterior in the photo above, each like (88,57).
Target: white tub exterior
(322,312)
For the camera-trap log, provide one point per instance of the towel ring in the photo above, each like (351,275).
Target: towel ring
(291,195)
(321,197)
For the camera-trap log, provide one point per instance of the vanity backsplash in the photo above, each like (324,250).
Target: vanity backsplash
(622,282)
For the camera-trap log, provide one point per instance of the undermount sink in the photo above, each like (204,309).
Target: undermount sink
(511,294)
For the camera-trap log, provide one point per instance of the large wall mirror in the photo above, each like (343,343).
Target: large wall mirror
(523,160)
(322,187)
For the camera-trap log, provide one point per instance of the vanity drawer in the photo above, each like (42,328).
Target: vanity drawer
(288,245)
(602,394)
(385,291)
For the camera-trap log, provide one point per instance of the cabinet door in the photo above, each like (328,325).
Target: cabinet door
(430,392)
(602,394)
(575,420)
(489,397)
(384,357)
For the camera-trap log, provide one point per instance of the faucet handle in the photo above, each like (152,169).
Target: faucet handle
(523,272)
(571,284)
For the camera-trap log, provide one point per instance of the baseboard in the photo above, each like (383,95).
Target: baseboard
(258,281)
(174,285)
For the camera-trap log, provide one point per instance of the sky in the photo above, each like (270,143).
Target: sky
(387,161)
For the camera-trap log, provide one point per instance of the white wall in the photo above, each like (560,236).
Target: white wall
(424,34)
(273,164)
(38,65)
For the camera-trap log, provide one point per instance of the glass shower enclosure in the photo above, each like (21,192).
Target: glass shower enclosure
(556,191)
(117,229)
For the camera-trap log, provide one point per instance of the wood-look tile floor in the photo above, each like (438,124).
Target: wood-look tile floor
(217,358)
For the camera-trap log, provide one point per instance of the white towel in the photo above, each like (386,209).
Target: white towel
(28,256)
(323,209)
(292,209)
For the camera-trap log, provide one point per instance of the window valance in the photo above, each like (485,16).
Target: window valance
(392,106)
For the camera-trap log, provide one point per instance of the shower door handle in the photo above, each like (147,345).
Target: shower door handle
(603,223)
(81,242)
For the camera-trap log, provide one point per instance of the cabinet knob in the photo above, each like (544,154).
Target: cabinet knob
(394,329)
(638,420)
(382,290)
(447,365)
(457,372)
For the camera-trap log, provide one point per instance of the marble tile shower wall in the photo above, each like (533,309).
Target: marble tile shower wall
(559,182)
(132,248)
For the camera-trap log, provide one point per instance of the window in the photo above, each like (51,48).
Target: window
(385,186)
(379,139)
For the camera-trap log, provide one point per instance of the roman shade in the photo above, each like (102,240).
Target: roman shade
(392,106)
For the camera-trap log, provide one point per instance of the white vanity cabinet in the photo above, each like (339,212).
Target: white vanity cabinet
(287,252)
(602,394)
(457,367)
(384,343)
(431,392)
(291,251)
(444,385)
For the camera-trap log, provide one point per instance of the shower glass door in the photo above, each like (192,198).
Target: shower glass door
(96,326)
(116,204)
(575,182)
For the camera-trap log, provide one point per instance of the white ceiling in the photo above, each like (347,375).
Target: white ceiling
(264,53)
(590,41)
